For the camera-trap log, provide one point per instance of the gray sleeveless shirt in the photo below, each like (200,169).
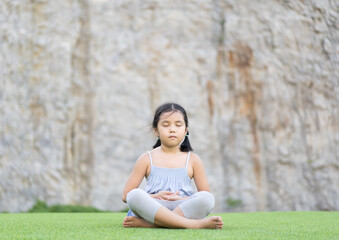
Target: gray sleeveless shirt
(169,179)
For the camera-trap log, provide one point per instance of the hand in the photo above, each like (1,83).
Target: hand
(168,196)
(164,195)
(174,197)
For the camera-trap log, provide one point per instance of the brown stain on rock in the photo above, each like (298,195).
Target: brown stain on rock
(210,101)
(79,157)
(247,97)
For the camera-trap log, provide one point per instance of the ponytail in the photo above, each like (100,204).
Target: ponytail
(186,145)
(157,144)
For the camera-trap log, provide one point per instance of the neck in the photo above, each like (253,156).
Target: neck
(170,150)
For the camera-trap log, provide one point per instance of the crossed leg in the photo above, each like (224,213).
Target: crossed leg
(171,219)
(134,221)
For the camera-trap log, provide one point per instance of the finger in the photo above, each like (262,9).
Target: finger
(166,192)
(172,199)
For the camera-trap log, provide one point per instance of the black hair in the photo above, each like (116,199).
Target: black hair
(172,107)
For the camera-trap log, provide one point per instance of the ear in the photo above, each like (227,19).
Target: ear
(186,131)
(156,132)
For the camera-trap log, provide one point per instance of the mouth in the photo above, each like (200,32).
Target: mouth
(172,137)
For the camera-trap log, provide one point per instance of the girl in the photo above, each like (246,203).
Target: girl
(168,199)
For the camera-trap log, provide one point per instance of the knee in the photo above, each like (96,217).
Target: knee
(134,196)
(206,200)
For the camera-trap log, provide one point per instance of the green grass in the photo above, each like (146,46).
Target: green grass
(261,225)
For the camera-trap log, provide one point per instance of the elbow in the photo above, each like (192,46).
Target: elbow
(124,196)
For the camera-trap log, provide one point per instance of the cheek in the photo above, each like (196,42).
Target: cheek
(161,130)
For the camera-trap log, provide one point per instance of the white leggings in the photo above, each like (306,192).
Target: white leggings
(198,206)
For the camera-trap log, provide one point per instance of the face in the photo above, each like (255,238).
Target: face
(171,128)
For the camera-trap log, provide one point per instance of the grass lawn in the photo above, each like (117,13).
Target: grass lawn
(260,225)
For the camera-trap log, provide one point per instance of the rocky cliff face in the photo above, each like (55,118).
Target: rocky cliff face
(80,81)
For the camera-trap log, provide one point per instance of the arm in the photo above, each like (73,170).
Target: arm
(199,174)
(136,176)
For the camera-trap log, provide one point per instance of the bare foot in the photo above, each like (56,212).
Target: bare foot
(214,222)
(137,222)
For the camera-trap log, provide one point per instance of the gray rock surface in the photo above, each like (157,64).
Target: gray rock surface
(80,80)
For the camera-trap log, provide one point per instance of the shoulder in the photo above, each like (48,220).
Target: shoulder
(195,159)
(144,157)
(143,160)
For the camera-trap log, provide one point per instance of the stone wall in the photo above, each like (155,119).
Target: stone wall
(80,80)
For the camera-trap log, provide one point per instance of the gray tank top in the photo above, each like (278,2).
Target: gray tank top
(169,179)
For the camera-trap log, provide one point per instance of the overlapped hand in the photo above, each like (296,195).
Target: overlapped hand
(168,196)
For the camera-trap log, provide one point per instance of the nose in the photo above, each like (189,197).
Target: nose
(172,129)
